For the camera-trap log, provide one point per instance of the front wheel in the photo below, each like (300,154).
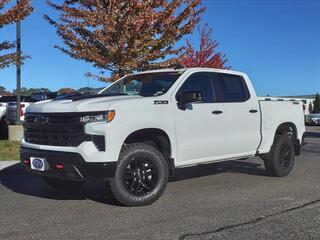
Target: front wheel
(280,160)
(141,175)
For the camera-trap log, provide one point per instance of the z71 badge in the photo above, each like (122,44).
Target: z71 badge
(156,102)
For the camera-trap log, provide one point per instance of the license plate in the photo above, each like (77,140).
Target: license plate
(37,163)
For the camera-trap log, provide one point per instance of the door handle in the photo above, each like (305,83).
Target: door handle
(253,111)
(217,112)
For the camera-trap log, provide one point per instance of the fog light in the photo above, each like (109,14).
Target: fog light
(59,166)
(26,162)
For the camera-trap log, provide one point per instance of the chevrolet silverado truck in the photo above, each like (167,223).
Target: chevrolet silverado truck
(138,130)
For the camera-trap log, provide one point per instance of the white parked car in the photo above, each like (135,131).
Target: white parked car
(4,100)
(11,111)
(3,107)
(135,132)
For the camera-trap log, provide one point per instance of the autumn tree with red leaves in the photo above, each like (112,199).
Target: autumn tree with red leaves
(10,16)
(127,35)
(207,55)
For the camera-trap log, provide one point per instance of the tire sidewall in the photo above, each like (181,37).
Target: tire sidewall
(119,188)
(283,140)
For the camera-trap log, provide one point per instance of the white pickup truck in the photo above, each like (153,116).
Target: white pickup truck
(135,132)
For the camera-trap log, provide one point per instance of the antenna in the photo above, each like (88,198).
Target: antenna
(88,80)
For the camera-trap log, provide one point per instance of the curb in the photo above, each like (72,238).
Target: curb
(5,164)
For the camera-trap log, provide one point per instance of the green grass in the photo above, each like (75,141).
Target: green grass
(9,150)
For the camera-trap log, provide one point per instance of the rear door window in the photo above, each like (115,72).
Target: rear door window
(230,88)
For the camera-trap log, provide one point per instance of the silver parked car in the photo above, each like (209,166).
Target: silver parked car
(313,119)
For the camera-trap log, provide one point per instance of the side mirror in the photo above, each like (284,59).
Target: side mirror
(189,97)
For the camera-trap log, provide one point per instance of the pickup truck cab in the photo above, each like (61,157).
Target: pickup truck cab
(136,131)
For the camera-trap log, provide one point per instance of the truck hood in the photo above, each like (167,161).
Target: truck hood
(79,105)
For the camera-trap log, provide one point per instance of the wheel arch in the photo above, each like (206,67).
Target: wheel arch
(157,138)
(289,127)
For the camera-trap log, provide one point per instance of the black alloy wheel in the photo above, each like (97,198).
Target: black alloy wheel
(140,176)
(285,156)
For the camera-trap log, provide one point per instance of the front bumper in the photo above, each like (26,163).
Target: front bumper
(74,166)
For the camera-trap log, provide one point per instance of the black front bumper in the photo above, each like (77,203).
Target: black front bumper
(74,166)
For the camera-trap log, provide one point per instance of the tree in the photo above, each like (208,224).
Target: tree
(2,90)
(9,16)
(85,90)
(127,35)
(66,91)
(207,55)
(29,91)
(316,105)
(310,108)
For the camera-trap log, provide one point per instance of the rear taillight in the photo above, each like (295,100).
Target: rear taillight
(21,110)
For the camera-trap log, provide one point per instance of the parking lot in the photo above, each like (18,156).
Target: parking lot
(228,200)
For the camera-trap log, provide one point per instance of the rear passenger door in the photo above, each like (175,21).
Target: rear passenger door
(241,113)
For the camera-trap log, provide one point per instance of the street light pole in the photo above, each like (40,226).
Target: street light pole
(18,64)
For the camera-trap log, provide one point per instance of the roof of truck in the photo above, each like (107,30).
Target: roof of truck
(194,68)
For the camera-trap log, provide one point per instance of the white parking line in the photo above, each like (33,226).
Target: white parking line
(5,164)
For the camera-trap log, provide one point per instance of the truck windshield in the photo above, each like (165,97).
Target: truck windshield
(146,84)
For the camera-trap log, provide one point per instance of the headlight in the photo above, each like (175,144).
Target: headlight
(103,117)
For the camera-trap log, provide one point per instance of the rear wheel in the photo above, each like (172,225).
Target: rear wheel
(280,160)
(63,185)
(141,176)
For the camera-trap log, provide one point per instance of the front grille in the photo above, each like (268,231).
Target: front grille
(56,129)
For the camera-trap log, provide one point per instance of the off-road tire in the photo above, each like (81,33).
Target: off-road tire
(137,162)
(280,160)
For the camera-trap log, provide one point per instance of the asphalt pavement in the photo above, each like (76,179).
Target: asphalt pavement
(227,200)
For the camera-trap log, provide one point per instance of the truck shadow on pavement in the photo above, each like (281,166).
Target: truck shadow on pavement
(312,134)
(232,166)
(16,179)
(19,181)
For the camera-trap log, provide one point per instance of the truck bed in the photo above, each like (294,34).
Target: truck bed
(275,112)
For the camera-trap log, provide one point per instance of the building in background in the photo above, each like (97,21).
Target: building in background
(306,99)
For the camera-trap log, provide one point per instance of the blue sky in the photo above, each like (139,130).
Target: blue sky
(276,42)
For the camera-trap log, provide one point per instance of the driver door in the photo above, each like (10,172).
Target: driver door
(200,126)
